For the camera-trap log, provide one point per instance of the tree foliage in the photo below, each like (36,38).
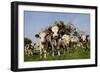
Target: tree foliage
(27,41)
(68,28)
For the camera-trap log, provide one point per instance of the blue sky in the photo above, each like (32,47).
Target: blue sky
(35,22)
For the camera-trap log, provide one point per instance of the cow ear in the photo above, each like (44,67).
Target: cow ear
(37,36)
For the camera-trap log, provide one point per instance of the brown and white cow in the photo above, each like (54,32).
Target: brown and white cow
(42,44)
(29,49)
(85,40)
(54,44)
(64,42)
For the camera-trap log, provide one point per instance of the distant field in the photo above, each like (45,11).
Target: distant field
(77,54)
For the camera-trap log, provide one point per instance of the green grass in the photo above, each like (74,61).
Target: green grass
(76,54)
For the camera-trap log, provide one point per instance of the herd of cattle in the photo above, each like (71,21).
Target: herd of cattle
(56,40)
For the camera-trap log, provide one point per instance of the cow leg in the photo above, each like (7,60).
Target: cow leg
(25,51)
(52,50)
(45,55)
(58,53)
(64,49)
(40,53)
(31,53)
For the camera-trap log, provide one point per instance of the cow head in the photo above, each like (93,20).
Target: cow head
(55,30)
(41,36)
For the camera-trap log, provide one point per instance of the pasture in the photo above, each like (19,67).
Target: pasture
(79,53)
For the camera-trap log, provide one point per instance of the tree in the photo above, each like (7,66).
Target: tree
(27,41)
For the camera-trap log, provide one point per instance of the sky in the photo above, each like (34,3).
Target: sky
(35,22)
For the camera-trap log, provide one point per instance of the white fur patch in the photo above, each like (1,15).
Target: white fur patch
(42,36)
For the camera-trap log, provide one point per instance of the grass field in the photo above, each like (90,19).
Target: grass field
(77,54)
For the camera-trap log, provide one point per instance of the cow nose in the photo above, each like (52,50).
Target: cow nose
(55,36)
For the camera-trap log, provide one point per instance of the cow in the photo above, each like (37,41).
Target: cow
(74,43)
(36,48)
(54,40)
(29,49)
(26,47)
(42,44)
(85,40)
(64,42)
(59,41)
